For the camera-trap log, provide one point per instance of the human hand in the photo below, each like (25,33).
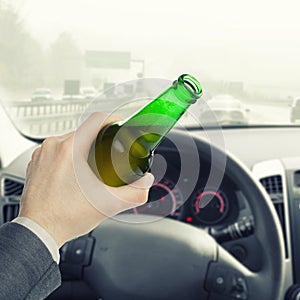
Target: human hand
(61,192)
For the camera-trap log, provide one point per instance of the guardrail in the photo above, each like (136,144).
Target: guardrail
(26,109)
(43,118)
(53,117)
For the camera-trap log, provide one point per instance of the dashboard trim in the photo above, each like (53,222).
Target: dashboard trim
(270,168)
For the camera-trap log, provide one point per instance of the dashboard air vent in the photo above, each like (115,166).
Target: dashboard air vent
(11,191)
(12,187)
(10,211)
(273,186)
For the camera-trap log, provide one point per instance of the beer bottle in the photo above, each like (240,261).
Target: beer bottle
(123,150)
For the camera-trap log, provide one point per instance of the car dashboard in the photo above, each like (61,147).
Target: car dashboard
(183,190)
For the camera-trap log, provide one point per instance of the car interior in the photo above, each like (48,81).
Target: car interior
(222,220)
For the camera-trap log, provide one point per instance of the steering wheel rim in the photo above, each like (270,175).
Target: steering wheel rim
(264,284)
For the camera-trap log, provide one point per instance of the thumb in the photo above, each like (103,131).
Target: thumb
(145,182)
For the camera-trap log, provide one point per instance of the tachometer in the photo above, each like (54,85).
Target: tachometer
(210,206)
(165,199)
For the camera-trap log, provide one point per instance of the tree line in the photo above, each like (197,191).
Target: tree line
(24,64)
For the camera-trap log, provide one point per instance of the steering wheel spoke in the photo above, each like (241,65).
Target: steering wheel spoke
(227,278)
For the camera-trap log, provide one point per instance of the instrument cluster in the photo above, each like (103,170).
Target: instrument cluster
(205,206)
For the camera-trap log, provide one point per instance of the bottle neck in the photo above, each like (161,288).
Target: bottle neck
(165,110)
(151,123)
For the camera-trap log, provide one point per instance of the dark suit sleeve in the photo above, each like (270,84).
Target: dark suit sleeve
(27,269)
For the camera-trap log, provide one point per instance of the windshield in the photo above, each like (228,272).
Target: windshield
(57,56)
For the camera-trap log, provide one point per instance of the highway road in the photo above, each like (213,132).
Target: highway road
(268,114)
(257,114)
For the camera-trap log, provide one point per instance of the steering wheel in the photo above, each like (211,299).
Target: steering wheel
(168,259)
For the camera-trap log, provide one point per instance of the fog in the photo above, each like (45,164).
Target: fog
(253,43)
(256,42)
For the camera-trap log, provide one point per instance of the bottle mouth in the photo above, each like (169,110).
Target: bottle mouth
(191,84)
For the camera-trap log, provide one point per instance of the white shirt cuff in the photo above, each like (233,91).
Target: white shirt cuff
(44,236)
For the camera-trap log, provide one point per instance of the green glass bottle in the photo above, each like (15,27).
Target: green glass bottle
(123,150)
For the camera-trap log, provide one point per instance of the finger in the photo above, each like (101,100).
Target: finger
(88,130)
(110,200)
(36,154)
(28,168)
(124,194)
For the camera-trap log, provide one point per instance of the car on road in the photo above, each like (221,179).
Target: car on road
(295,110)
(42,94)
(224,110)
(88,92)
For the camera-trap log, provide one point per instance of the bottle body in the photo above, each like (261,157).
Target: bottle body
(123,150)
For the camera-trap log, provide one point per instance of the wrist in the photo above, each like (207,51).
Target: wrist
(41,233)
(48,226)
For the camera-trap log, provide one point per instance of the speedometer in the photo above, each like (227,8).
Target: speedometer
(210,206)
(165,199)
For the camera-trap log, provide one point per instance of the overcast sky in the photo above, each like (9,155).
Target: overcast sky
(255,41)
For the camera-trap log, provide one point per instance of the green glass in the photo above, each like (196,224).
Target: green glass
(123,150)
